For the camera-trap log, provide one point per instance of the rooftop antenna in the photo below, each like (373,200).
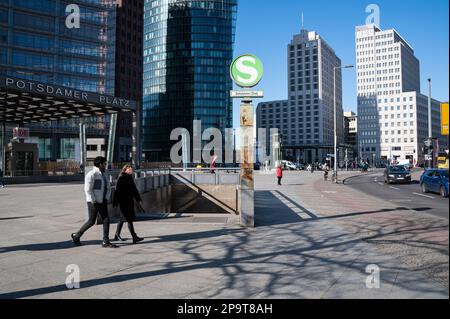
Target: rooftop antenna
(303,21)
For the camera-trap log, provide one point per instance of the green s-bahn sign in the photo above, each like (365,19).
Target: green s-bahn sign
(247,70)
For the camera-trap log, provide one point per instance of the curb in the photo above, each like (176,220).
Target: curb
(365,174)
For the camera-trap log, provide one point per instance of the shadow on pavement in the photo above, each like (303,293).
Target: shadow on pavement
(284,255)
(47,246)
(15,218)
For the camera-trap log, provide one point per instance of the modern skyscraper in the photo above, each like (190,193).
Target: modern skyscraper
(128,69)
(188,48)
(392,114)
(306,119)
(37,44)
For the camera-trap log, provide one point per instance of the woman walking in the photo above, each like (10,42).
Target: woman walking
(125,195)
(279,174)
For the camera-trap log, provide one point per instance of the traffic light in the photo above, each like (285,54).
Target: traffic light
(428,147)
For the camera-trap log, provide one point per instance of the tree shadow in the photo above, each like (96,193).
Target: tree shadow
(288,252)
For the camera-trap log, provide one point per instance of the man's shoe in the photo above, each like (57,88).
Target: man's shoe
(76,240)
(137,240)
(109,245)
(118,238)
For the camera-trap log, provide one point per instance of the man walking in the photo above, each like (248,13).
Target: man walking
(98,193)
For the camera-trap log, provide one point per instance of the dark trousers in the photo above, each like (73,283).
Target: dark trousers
(279,180)
(130,228)
(94,210)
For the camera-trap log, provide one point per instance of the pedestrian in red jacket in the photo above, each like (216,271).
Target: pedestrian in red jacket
(279,174)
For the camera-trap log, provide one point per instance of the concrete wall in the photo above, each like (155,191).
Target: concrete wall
(155,192)
(177,194)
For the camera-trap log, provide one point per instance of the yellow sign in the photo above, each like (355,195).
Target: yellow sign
(445,118)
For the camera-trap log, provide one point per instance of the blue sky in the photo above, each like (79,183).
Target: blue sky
(265,28)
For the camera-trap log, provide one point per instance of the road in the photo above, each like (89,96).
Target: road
(409,196)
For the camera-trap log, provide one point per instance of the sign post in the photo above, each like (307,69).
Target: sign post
(445,119)
(247,71)
(21,133)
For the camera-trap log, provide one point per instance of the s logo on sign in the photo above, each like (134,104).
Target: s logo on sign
(247,70)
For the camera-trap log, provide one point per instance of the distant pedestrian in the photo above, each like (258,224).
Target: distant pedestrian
(279,174)
(125,195)
(2,185)
(325,172)
(98,194)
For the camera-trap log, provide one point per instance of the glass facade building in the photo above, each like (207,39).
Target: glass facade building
(188,48)
(37,44)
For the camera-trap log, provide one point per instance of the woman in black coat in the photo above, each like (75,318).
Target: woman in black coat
(125,195)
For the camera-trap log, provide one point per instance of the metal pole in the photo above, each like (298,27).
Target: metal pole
(82,145)
(346,159)
(430,123)
(335,126)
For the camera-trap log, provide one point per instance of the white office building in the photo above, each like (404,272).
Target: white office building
(392,114)
(306,119)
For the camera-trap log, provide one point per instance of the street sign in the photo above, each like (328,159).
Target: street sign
(21,132)
(445,119)
(247,71)
(247,94)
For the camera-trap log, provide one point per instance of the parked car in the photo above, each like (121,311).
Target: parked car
(397,174)
(364,167)
(300,167)
(288,165)
(435,181)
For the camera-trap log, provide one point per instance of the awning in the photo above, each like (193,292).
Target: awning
(24,101)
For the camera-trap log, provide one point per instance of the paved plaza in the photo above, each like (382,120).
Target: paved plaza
(313,239)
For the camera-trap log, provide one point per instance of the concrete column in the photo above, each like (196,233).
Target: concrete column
(112,138)
(247,160)
(137,125)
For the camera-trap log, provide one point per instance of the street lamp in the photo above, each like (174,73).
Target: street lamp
(335,119)
(430,124)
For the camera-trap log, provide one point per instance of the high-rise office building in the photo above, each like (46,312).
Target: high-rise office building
(392,114)
(306,119)
(188,48)
(128,69)
(37,44)
(103,55)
